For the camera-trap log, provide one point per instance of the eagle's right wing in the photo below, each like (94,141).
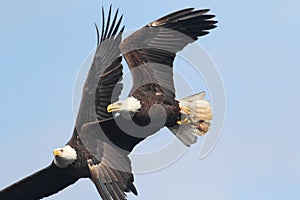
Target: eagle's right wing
(151,50)
(110,141)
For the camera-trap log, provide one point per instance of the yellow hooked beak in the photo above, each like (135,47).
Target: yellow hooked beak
(114,107)
(57,152)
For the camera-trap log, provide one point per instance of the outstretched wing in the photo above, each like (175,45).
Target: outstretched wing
(102,85)
(43,183)
(109,143)
(150,51)
(110,167)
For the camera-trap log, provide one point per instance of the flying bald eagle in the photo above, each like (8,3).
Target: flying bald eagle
(106,129)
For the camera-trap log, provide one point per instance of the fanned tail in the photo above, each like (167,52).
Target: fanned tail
(196,115)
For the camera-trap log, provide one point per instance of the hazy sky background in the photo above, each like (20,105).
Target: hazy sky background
(256,50)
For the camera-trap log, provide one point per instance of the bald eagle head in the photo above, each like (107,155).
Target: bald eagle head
(65,156)
(129,105)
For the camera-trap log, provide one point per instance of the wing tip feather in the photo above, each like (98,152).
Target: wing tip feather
(110,29)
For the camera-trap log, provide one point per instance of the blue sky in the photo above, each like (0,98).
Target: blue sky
(255,49)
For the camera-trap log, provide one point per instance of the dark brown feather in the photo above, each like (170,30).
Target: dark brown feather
(110,166)
(43,183)
(102,86)
(150,51)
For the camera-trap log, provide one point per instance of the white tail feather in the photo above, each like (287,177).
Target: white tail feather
(198,112)
(199,108)
(183,133)
(194,97)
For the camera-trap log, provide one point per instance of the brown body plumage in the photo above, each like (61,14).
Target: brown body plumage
(149,95)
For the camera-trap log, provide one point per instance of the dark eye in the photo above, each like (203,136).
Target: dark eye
(61,150)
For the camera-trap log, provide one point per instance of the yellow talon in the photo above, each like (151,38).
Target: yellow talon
(186,110)
(185,121)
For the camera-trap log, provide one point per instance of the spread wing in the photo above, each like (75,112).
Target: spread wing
(102,86)
(150,51)
(43,183)
(110,167)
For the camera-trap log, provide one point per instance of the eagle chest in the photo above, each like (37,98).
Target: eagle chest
(158,107)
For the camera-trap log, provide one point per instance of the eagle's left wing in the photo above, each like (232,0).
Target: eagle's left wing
(109,165)
(43,183)
(102,85)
